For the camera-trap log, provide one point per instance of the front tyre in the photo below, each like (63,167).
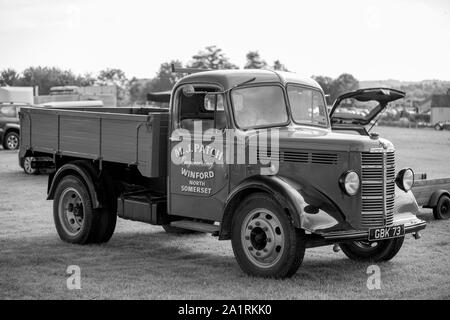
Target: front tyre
(366,251)
(265,242)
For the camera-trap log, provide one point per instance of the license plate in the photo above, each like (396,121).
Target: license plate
(386,233)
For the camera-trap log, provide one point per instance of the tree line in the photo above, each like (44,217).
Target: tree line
(133,90)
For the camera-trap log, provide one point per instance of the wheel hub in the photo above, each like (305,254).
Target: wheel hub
(71,211)
(262,237)
(12,142)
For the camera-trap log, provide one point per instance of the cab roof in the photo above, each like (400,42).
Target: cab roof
(227,79)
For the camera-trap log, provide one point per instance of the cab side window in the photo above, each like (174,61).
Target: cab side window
(205,105)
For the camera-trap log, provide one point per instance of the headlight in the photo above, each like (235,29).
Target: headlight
(349,182)
(405,179)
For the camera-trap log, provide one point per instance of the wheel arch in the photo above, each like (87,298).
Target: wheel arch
(274,186)
(12,129)
(435,196)
(83,170)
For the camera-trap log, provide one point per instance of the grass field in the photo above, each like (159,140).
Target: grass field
(143,262)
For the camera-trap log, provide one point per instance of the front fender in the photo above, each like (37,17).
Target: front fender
(300,200)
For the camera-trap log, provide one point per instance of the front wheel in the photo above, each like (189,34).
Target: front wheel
(367,251)
(265,242)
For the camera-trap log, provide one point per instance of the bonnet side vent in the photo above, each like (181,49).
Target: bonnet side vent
(292,156)
(324,158)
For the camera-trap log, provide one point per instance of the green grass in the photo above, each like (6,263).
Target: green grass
(143,262)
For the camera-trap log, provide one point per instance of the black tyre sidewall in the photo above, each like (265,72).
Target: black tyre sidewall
(294,250)
(438,215)
(107,219)
(90,215)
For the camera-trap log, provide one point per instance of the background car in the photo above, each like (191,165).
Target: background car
(9,125)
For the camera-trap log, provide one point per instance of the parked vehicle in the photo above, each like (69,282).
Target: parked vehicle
(433,194)
(313,187)
(9,125)
(442,125)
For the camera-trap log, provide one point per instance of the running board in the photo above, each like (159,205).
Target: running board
(196,226)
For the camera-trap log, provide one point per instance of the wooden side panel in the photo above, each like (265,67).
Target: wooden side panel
(120,140)
(80,135)
(129,136)
(44,132)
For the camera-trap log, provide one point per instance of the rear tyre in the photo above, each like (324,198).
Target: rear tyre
(366,251)
(105,225)
(264,240)
(73,213)
(26,165)
(11,141)
(438,126)
(442,209)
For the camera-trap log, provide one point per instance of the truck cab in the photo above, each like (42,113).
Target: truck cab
(246,155)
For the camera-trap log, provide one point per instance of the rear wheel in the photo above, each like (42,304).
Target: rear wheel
(264,240)
(368,251)
(75,218)
(442,209)
(26,164)
(438,126)
(11,141)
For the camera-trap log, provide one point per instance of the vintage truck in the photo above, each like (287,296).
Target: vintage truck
(246,155)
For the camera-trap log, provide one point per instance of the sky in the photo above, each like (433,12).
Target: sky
(406,40)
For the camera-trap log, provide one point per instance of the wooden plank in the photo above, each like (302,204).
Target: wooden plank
(79,135)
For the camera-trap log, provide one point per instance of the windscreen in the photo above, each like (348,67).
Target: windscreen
(262,106)
(307,106)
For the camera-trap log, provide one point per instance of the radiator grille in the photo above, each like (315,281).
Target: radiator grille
(378,189)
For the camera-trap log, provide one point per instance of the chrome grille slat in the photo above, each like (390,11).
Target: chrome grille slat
(378,189)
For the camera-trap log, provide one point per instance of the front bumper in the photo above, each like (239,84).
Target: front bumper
(412,224)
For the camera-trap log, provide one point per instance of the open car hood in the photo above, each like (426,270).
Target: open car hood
(381,95)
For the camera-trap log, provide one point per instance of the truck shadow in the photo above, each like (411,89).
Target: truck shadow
(154,254)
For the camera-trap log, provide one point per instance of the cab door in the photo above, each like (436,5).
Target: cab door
(198,175)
